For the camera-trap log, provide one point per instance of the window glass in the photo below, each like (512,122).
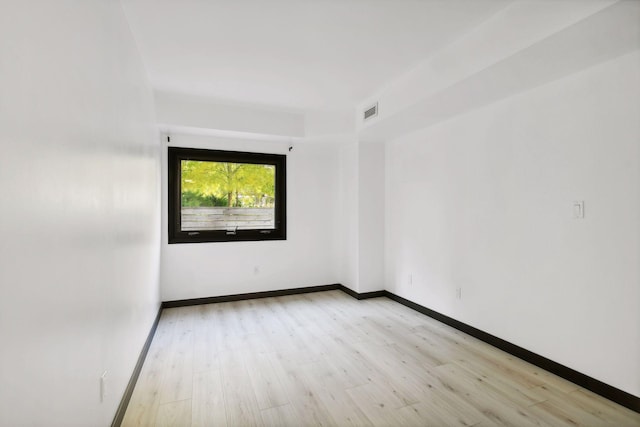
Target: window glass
(226,195)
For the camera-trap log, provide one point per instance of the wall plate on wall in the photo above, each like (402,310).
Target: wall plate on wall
(578,209)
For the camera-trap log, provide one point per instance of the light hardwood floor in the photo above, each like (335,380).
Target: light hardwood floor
(328,359)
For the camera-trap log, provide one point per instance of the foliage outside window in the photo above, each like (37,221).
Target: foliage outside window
(226,196)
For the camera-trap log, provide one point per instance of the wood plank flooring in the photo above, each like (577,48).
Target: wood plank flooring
(326,359)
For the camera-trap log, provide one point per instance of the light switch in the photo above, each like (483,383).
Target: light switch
(578,209)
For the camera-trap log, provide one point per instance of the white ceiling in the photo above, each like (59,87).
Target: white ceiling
(294,54)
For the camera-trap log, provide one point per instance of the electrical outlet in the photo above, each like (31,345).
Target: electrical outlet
(458,293)
(103,386)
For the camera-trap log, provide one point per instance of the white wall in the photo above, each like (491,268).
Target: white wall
(79,222)
(307,258)
(349,247)
(484,202)
(371,214)
(362,214)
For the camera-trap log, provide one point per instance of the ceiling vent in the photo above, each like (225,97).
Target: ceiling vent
(371,112)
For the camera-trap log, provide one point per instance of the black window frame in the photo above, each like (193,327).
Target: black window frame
(176,235)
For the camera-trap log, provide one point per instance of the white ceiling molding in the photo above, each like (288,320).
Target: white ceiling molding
(201,115)
(598,37)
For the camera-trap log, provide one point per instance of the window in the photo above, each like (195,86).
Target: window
(221,196)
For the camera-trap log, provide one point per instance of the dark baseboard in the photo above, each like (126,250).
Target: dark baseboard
(363,295)
(605,390)
(126,397)
(252,295)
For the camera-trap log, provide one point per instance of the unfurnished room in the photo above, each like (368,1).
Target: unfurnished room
(319,213)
